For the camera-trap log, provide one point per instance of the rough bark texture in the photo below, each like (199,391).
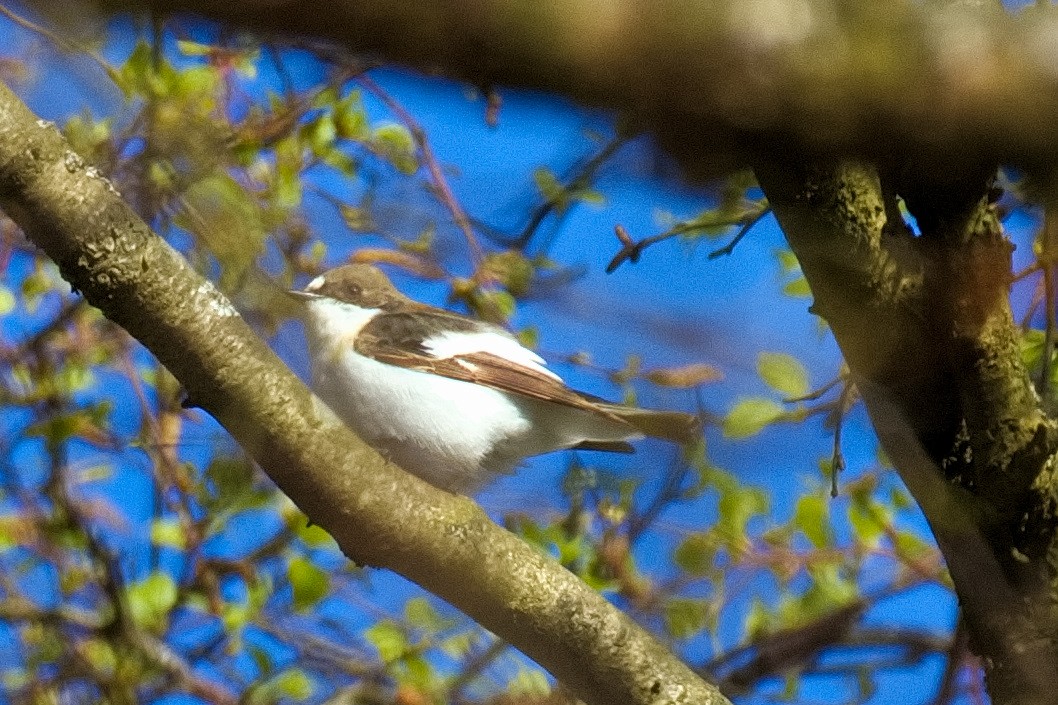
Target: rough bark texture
(379,515)
(709,77)
(925,325)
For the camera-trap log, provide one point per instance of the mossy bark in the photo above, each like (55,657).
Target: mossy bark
(925,325)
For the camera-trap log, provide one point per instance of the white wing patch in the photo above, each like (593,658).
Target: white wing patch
(448,345)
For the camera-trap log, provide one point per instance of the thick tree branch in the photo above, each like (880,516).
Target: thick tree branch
(379,515)
(925,326)
(708,78)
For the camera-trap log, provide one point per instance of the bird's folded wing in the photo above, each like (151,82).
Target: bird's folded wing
(442,343)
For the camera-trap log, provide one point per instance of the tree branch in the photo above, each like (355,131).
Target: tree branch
(378,514)
(925,326)
(863,78)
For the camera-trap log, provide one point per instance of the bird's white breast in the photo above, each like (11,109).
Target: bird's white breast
(438,428)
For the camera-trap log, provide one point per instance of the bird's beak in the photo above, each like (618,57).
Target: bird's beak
(302,295)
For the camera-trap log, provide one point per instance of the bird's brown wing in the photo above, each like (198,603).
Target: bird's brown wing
(398,339)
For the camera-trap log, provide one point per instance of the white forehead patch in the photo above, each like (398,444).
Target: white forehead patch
(315,284)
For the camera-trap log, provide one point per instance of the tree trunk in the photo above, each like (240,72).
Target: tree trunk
(924,323)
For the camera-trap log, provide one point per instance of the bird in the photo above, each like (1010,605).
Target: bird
(454,400)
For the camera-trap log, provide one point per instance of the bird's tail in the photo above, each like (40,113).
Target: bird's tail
(668,425)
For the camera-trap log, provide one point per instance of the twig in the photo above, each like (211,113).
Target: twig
(837,459)
(580,180)
(1028,271)
(673,487)
(949,681)
(631,250)
(61,42)
(817,393)
(69,311)
(473,668)
(444,192)
(742,232)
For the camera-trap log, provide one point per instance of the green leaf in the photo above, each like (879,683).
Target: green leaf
(910,547)
(234,616)
(798,288)
(289,684)
(395,143)
(749,416)
(309,581)
(550,187)
(831,589)
(389,639)
(10,530)
(684,618)
(528,682)
(494,306)
(695,555)
(151,599)
(189,48)
(351,119)
(34,286)
(865,526)
(512,269)
(417,671)
(168,532)
(227,480)
(759,619)
(458,645)
(294,683)
(783,373)
(261,658)
(812,517)
(314,536)
(529,337)
(100,654)
(134,76)
(86,135)
(737,506)
(421,614)
(787,260)
(6,301)
(320,134)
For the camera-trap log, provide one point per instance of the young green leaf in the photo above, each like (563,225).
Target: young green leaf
(749,416)
(783,373)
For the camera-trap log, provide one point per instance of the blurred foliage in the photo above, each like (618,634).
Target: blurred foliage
(139,559)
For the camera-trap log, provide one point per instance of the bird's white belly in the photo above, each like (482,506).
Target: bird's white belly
(438,428)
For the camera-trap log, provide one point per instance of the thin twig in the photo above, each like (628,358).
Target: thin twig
(956,650)
(581,179)
(61,42)
(816,394)
(742,232)
(1028,271)
(473,668)
(69,311)
(837,459)
(631,250)
(671,491)
(444,192)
